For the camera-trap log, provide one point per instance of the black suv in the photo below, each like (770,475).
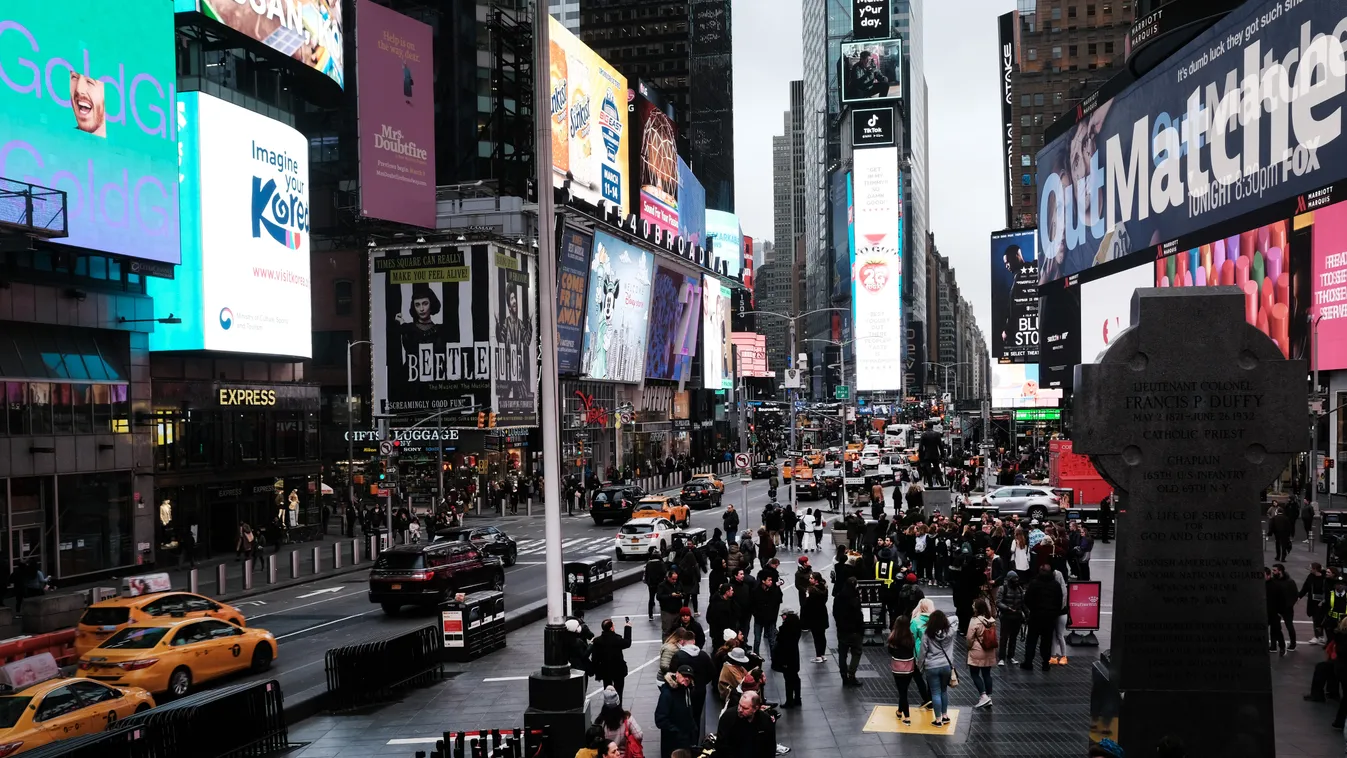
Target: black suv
(700,494)
(614,502)
(491,540)
(763,469)
(427,575)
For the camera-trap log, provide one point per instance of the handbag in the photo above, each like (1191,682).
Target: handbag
(953,672)
(631,748)
(902,665)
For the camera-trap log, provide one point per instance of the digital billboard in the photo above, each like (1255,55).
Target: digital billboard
(872,70)
(1059,334)
(396,72)
(86,107)
(657,159)
(871,19)
(877,269)
(618,309)
(1106,309)
(514,327)
(1014,297)
(1330,287)
(752,351)
(1015,385)
(310,31)
(728,238)
(589,121)
(572,288)
(717,352)
(243,285)
(1178,151)
(691,206)
(675,309)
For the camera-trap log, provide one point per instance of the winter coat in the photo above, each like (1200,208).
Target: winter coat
(730,520)
(735,561)
(1281,594)
(743,597)
(694,626)
(737,737)
(766,603)
(667,651)
(767,550)
(1279,526)
(918,628)
(899,652)
(669,596)
(802,575)
(731,674)
(1010,599)
(605,655)
(689,572)
(674,717)
(1043,599)
(654,572)
(703,670)
(978,655)
(786,654)
(814,614)
(937,650)
(847,611)
(721,614)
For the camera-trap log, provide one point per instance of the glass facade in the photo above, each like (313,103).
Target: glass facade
(62,408)
(214,439)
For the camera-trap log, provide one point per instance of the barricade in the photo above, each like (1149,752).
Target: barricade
(117,743)
(374,669)
(1088,516)
(254,714)
(60,644)
(590,581)
(873,623)
(496,743)
(473,626)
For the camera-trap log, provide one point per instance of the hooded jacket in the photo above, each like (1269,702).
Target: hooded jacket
(694,626)
(703,670)
(674,716)
(847,610)
(654,572)
(669,596)
(1043,599)
(937,649)
(977,654)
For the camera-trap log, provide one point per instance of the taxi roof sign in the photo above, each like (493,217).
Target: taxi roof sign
(26,672)
(135,586)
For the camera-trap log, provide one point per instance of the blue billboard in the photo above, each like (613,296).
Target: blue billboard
(728,240)
(572,289)
(691,205)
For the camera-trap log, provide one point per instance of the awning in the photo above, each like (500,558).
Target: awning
(30,352)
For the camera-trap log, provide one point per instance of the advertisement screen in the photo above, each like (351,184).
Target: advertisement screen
(839,204)
(1142,168)
(618,309)
(675,307)
(752,350)
(717,353)
(86,107)
(871,19)
(514,349)
(572,286)
(1106,309)
(1014,297)
(1082,602)
(1330,287)
(728,240)
(394,63)
(589,121)
(658,161)
(310,31)
(431,325)
(1015,385)
(872,70)
(1059,334)
(243,285)
(877,269)
(691,206)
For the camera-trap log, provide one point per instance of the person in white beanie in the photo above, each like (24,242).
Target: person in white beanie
(617,722)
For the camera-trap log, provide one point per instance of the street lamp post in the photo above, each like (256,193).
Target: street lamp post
(842,410)
(350,429)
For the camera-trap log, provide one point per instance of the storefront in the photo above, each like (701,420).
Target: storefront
(588,429)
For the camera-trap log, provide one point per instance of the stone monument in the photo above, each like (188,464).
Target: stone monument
(1190,414)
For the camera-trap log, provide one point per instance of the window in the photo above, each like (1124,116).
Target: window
(1025,159)
(1056,98)
(1089,9)
(1027,179)
(1071,12)
(1024,140)
(1056,51)
(93,693)
(1038,98)
(1056,14)
(1071,51)
(1092,48)
(1108,48)
(1038,119)
(1024,120)
(1024,101)
(1033,54)
(343,297)
(1108,8)
(58,702)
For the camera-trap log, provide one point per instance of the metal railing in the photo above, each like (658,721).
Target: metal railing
(375,669)
(33,209)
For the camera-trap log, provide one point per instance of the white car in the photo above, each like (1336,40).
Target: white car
(644,537)
(869,459)
(1023,500)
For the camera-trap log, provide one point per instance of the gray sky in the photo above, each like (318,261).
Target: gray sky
(962,60)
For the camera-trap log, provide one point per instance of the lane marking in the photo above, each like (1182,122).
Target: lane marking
(505,679)
(328,623)
(316,593)
(599,691)
(415,741)
(306,605)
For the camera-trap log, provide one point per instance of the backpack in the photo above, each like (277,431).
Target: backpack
(988,639)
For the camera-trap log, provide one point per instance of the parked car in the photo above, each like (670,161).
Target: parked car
(763,469)
(614,502)
(699,493)
(1020,500)
(491,540)
(427,575)
(643,537)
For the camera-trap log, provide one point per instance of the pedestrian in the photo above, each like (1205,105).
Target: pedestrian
(1279,529)
(766,545)
(1059,628)
(619,728)
(850,630)
(1105,518)
(690,574)
(721,612)
(730,520)
(807,542)
(690,624)
(187,547)
(819,523)
(1010,606)
(1307,520)
(982,650)
(747,730)
(814,615)
(1043,603)
(732,672)
(669,596)
(803,572)
(1281,604)
(789,519)
(747,550)
(654,577)
(669,648)
(766,605)
(786,657)
(938,664)
(674,718)
(1315,588)
(902,664)
(915,498)
(608,665)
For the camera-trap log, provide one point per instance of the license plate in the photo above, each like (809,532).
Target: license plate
(107,629)
(395,586)
(635,542)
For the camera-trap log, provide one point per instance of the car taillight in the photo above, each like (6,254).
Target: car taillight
(421,576)
(10,748)
(1054,499)
(84,666)
(144,663)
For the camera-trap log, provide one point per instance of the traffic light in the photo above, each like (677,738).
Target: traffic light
(383,471)
(492,423)
(481,419)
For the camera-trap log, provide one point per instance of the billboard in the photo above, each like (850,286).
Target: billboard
(839,205)
(752,351)
(728,244)
(616,317)
(1329,254)
(1014,297)
(589,121)
(572,287)
(877,269)
(310,31)
(1178,151)
(691,206)
(1015,385)
(103,133)
(871,19)
(872,70)
(657,160)
(514,350)
(717,354)
(675,308)
(1005,25)
(243,285)
(1059,334)
(1106,309)
(396,72)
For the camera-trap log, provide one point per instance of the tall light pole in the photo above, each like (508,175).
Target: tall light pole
(842,410)
(350,428)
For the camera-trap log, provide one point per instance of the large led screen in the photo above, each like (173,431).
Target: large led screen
(675,306)
(877,269)
(657,155)
(717,350)
(728,236)
(691,205)
(1015,385)
(86,106)
(243,285)
(1059,330)
(617,316)
(1106,309)
(310,31)
(394,63)
(1330,287)
(572,288)
(1014,297)
(589,121)
(872,70)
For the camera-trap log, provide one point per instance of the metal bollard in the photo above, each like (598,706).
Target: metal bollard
(336,555)
(406,538)
(271,568)
(355,552)
(373,540)
(194,582)
(248,575)
(220,578)
(317,559)
(529,508)
(294,564)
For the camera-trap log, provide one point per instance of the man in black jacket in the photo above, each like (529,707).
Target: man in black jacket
(704,673)
(669,595)
(686,621)
(1281,604)
(721,613)
(654,576)
(850,630)
(730,520)
(690,572)
(1043,602)
(674,718)
(744,587)
(766,605)
(746,731)
(1279,529)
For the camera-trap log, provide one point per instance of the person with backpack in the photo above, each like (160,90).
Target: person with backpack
(982,646)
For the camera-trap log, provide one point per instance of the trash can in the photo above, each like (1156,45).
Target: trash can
(1334,530)
(473,625)
(695,538)
(590,581)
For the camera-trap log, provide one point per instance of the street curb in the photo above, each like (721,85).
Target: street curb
(312,702)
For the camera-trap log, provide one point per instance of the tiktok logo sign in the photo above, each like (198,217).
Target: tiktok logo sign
(279,203)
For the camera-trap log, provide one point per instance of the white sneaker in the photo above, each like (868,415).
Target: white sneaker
(983,701)
(817,659)
(781,749)
(1001,663)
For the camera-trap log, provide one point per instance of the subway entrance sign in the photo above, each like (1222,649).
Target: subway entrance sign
(1038,414)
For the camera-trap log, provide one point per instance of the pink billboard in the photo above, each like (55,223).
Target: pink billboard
(395,75)
(1329,305)
(1082,603)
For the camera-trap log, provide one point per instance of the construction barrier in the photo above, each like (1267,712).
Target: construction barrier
(60,644)
(372,670)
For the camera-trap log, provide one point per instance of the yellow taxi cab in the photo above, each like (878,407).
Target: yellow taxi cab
(174,655)
(39,707)
(661,506)
(787,471)
(145,599)
(715,481)
(814,458)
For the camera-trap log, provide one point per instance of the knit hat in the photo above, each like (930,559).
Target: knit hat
(685,611)
(803,560)
(573,626)
(610,697)
(911,578)
(1012,575)
(728,635)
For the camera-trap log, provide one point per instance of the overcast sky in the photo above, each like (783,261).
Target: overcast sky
(962,59)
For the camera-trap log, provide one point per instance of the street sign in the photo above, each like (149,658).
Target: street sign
(1038,414)
(841,392)
(385,447)
(791,379)
(741,460)
(392,470)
